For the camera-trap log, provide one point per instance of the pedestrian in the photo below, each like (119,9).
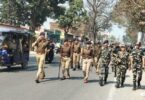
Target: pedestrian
(97,51)
(41,45)
(70,42)
(104,61)
(76,54)
(122,60)
(137,64)
(114,53)
(65,54)
(87,59)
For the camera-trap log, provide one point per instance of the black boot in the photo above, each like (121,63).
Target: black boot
(115,72)
(139,85)
(105,79)
(117,85)
(74,67)
(101,82)
(37,80)
(122,82)
(63,78)
(134,86)
(79,67)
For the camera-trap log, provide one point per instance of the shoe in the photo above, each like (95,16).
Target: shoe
(101,82)
(117,85)
(68,77)
(74,69)
(122,85)
(134,86)
(139,85)
(85,81)
(37,81)
(105,81)
(63,78)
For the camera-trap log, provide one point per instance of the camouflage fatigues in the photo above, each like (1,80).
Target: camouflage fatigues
(122,65)
(97,51)
(113,60)
(104,61)
(137,55)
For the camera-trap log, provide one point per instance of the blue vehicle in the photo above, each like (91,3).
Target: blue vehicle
(14,46)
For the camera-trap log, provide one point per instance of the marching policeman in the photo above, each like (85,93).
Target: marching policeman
(87,59)
(65,53)
(76,54)
(41,46)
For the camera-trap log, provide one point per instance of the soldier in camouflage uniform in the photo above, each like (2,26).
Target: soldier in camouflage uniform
(97,50)
(137,61)
(122,65)
(114,53)
(104,61)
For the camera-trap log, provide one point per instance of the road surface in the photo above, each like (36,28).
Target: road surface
(19,84)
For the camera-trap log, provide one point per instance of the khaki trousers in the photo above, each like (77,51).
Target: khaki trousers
(76,59)
(40,61)
(96,63)
(86,67)
(65,63)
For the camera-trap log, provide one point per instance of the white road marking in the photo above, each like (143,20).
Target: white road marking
(142,94)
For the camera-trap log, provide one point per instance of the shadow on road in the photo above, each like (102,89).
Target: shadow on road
(19,69)
(76,78)
(131,85)
(50,79)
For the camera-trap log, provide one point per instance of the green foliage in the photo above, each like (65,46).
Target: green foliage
(31,12)
(127,13)
(73,16)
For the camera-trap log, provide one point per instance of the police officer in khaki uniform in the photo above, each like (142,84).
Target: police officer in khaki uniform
(76,54)
(41,45)
(65,59)
(87,57)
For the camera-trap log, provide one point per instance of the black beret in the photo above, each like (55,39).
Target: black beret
(106,41)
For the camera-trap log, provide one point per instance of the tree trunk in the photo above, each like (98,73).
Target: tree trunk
(142,37)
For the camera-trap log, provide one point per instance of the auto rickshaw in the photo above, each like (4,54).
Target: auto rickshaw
(14,46)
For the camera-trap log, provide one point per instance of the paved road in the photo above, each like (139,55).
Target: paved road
(18,84)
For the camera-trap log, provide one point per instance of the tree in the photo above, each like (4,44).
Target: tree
(112,38)
(30,12)
(128,14)
(73,16)
(99,13)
